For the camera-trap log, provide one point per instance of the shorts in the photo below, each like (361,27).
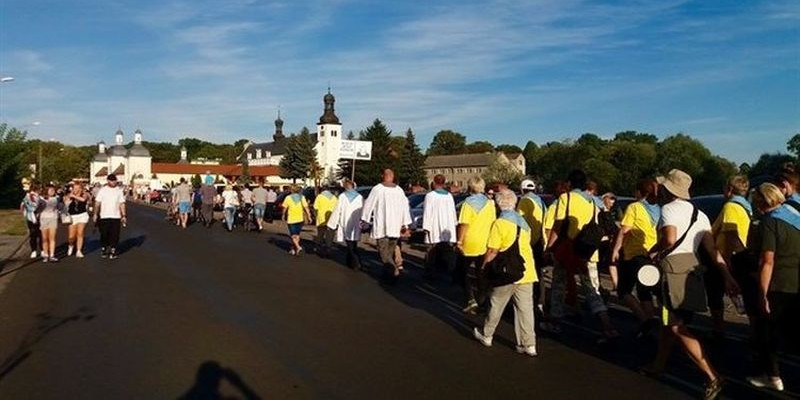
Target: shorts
(48,223)
(259,211)
(295,229)
(184,207)
(676,317)
(82,218)
(628,272)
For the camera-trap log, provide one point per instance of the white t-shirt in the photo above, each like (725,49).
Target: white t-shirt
(110,199)
(231,198)
(678,213)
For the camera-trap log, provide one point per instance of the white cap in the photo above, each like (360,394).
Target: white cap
(527,184)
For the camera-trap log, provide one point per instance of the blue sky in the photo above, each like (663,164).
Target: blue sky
(725,72)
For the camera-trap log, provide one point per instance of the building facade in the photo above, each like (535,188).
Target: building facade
(129,165)
(458,168)
(327,142)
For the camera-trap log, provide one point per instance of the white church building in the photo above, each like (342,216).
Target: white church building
(328,141)
(127,164)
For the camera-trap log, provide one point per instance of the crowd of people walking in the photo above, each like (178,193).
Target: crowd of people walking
(668,260)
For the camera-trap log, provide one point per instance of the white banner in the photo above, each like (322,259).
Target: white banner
(356,149)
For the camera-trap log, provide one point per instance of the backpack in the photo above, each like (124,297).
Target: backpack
(590,236)
(507,267)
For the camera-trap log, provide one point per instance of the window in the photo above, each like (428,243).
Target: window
(333,133)
(249,156)
(258,153)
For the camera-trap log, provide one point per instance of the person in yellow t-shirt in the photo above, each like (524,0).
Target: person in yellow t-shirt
(730,231)
(502,236)
(534,211)
(323,208)
(295,213)
(636,237)
(474,221)
(576,209)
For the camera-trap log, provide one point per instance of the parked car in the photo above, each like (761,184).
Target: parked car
(419,209)
(277,213)
(711,205)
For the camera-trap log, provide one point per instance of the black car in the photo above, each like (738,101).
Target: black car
(710,205)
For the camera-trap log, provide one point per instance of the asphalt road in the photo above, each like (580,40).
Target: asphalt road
(208,312)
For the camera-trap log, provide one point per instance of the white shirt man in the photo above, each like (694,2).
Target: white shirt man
(439,224)
(110,207)
(387,210)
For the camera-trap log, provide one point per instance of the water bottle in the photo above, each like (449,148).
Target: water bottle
(738,302)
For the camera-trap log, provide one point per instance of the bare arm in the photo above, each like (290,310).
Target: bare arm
(461,232)
(618,243)
(489,256)
(554,234)
(767,263)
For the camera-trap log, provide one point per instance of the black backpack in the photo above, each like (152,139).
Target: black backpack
(589,238)
(507,267)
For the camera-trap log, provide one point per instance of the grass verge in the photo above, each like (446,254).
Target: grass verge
(12,223)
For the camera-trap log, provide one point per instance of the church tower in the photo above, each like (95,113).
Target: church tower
(278,136)
(329,137)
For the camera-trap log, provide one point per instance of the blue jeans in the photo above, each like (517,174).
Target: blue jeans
(229,214)
(258,209)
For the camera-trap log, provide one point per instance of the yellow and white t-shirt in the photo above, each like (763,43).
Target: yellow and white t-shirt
(324,205)
(478,222)
(294,204)
(581,210)
(732,218)
(502,236)
(643,232)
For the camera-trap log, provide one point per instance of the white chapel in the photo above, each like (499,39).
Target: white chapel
(127,164)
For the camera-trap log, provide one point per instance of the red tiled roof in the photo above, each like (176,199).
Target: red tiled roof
(224,169)
(120,170)
(103,172)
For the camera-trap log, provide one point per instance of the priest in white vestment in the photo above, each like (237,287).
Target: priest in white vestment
(439,225)
(346,220)
(386,209)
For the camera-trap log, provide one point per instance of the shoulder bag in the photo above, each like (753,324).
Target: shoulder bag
(682,277)
(507,267)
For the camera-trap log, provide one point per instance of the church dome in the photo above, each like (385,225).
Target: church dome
(139,151)
(101,157)
(119,150)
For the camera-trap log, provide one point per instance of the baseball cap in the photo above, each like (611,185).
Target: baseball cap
(111,177)
(527,184)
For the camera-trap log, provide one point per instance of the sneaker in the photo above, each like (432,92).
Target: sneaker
(53,259)
(112,255)
(292,252)
(529,350)
(764,381)
(712,389)
(69,250)
(471,307)
(44,259)
(297,253)
(79,254)
(103,252)
(486,341)
(34,254)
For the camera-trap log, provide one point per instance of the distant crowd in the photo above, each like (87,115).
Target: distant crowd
(666,258)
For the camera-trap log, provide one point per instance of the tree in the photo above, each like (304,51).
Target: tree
(531,154)
(502,172)
(744,169)
(369,172)
(12,167)
(299,158)
(793,145)
(245,179)
(479,147)
(447,142)
(769,164)
(636,137)
(409,170)
(509,149)
(345,170)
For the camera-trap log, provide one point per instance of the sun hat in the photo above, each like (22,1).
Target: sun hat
(677,182)
(527,184)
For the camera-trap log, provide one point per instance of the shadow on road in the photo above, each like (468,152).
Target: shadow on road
(47,324)
(210,375)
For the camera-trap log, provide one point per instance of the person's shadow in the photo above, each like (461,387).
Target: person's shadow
(206,386)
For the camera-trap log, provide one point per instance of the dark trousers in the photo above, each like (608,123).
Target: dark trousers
(34,236)
(353,259)
(474,279)
(324,238)
(269,211)
(207,211)
(442,256)
(780,326)
(109,233)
